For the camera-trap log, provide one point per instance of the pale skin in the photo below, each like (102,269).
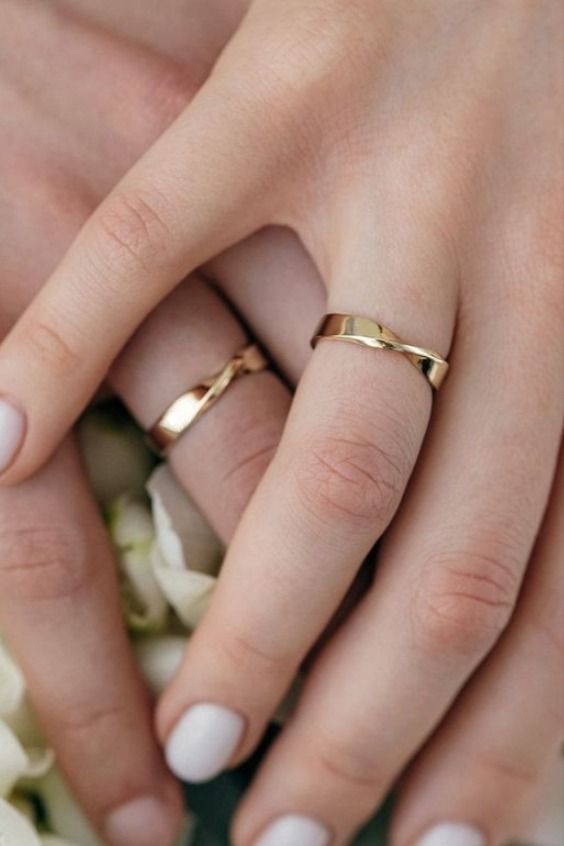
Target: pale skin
(417,153)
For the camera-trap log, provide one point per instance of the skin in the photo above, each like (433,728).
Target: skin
(430,210)
(50,525)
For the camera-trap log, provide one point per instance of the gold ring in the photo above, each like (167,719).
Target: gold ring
(194,403)
(368,333)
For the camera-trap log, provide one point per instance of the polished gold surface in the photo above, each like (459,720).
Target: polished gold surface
(368,333)
(189,407)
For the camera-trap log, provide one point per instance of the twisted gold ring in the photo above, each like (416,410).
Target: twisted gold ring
(368,333)
(194,403)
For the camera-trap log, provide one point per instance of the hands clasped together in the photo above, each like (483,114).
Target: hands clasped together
(415,149)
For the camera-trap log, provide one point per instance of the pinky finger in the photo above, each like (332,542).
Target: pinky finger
(479,780)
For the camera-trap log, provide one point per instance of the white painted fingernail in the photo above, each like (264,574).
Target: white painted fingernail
(294,830)
(452,834)
(142,822)
(12,427)
(203,742)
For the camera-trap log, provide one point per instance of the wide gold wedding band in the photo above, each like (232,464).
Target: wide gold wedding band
(190,406)
(368,333)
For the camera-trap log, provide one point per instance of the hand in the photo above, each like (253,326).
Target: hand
(54,554)
(399,144)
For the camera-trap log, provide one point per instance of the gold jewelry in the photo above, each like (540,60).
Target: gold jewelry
(189,407)
(368,333)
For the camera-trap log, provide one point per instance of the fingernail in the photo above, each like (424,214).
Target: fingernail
(452,834)
(12,427)
(143,822)
(294,830)
(203,742)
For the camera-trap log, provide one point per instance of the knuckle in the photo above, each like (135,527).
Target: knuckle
(88,729)
(168,91)
(466,600)
(51,345)
(506,768)
(133,229)
(245,471)
(248,654)
(42,563)
(302,75)
(86,719)
(323,41)
(345,761)
(351,479)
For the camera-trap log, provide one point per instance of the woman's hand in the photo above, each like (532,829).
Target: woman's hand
(54,553)
(417,152)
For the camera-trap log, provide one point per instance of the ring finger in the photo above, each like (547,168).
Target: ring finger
(448,578)
(348,448)
(220,458)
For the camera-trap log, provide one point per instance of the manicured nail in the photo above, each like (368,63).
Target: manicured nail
(294,830)
(452,834)
(143,822)
(12,427)
(203,742)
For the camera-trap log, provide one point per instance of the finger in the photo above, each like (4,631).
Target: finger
(60,612)
(447,580)
(220,459)
(350,443)
(195,192)
(196,332)
(274,284)
(133,94)
(481,776)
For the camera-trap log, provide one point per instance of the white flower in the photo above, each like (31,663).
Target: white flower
(159,658)
(168,560)
(131,528)
(15,829)
(186,553)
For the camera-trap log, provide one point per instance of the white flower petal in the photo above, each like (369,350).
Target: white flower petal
(65,817)
(131,527)
(39,761)
(159,659)
(185,539)
(146,608)
(188,592)
(12,684)
(130,522)
(13,760)
(23,723)
(15,829)
(19,765)
(15,709)
(24,806)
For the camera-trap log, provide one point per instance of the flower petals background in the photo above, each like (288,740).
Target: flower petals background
(168,560)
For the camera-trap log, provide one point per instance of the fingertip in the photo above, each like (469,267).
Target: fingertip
(144,821)
(204,741)
(13,425)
